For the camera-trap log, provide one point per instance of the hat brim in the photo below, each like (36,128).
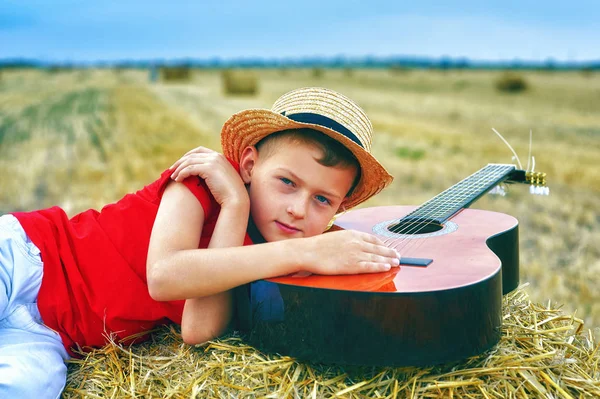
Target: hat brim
(248,127)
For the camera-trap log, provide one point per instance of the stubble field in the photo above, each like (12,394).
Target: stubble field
(84,138)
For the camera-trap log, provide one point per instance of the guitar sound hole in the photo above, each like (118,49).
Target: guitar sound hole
(415,228)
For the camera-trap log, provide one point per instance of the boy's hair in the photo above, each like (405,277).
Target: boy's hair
(334,153)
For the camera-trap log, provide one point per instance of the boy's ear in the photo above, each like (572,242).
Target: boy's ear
(248,161)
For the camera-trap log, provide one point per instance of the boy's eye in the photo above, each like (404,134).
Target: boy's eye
(322,199)
(287,181)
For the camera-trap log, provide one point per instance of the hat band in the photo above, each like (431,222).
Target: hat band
(316,119)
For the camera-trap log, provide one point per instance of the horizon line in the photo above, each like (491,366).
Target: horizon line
(307,60)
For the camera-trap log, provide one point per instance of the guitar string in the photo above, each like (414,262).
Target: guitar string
(416,244)
(432,210)
(469,187)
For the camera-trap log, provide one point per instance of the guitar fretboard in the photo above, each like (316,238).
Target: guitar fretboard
(441,207)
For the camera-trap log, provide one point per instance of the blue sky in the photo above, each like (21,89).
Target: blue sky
(68,30)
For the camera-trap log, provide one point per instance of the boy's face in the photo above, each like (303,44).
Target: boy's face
(291,194)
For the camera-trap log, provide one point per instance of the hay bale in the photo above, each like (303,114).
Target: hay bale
(318,73)
(56,69)
(175,74)
(511,82)
(398,69)
(543,352)
(587,71)
(239,82)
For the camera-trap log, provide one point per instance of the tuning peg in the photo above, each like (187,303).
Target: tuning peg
(537,178)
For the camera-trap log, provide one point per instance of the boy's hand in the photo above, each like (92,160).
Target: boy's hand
(223,181)
(349,252)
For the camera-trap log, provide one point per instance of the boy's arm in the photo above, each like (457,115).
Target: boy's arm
(176,269)
(207,317)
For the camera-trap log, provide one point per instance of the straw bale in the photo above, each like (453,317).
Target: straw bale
(511,82)
(318,73)
(175,73)
(543,353)
(239,82)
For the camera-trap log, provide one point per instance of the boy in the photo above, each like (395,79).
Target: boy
(174,250)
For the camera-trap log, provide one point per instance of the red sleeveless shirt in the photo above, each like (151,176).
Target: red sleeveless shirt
(94,281)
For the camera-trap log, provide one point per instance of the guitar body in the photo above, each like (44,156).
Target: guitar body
(409,316)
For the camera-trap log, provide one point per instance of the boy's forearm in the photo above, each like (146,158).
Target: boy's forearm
(226,263)
(196,273)
(230,228)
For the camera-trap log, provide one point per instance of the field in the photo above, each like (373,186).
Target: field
(84,138)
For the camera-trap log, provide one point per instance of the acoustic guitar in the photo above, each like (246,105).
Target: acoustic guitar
(442,304)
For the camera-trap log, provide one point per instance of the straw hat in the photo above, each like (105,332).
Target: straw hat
(319,109)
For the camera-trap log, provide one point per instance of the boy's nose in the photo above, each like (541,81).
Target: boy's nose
(298,208)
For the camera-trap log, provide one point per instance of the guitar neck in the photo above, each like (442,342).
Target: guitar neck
(461,195)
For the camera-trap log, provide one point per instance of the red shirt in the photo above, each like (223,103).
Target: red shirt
(94,282)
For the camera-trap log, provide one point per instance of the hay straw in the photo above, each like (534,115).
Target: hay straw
(543,353)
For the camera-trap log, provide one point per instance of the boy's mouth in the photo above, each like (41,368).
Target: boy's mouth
(286,228)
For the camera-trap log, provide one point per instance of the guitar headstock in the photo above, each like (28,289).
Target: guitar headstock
(536,180)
